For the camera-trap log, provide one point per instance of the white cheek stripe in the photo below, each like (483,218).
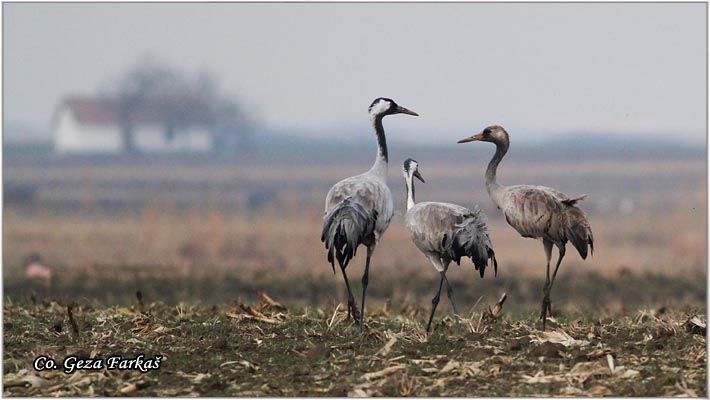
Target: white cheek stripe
(380,107)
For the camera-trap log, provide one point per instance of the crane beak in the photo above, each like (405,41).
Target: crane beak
(402,110)
(419,176)
(473,138)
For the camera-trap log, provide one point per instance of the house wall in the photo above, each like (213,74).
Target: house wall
(70,137)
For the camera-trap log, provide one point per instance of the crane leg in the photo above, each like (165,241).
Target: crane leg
(435,302)
(365,278)
(548,255)
(450,293)
(352,308)
(547,305)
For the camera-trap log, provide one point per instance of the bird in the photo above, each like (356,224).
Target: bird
(446,232)
(537,212)
(358,209)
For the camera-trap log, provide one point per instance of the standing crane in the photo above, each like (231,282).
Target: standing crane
(446,232)
(358,209)
(537,212)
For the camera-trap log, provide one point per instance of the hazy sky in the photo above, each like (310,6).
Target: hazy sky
(534,68)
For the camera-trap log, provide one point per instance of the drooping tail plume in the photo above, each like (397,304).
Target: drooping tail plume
(344,228)
(579,232)
(472,240)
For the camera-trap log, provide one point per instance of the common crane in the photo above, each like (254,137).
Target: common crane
(537,212)
(359,209)
(446,232)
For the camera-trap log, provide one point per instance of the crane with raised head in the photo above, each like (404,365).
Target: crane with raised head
(537,212)
(358,209)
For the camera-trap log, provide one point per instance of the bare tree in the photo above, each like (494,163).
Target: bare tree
(178,99)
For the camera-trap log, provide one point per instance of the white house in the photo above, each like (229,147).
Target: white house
(91,125)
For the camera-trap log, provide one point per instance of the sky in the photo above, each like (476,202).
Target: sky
(312,68)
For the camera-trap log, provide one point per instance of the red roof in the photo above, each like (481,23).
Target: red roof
(105,111)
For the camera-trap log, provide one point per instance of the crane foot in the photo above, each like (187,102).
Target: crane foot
(546,310)
(352,311)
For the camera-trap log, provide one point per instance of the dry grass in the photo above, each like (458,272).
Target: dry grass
(665,233)
(288,241)
(215,257)
(238,350)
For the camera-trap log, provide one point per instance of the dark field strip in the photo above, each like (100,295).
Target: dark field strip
(575,289)
(264,350)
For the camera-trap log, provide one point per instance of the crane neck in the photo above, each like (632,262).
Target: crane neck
(410,191)
(380,165)
(491,180)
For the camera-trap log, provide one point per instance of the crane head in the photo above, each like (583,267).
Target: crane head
(410,169)
(382,106)
(493,133)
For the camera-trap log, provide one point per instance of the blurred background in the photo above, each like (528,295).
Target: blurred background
(185,150)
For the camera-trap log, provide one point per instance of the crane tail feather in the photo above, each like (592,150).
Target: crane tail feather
(345,227)
(472,240)
(492,258)
(572,202)
(591,242)
(579,232)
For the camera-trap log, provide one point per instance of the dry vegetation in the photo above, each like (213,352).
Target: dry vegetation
(214,226)
(268,350)
(214,257)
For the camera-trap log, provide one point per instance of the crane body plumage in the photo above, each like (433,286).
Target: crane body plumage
(446,232)
(537,212)
(450,232)
(542,212)
(370,193)
(358,209)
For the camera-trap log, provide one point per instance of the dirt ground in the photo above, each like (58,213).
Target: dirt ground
(265,349)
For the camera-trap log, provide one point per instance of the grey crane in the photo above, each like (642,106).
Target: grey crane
(358,209)
(446,232)
(537,212)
